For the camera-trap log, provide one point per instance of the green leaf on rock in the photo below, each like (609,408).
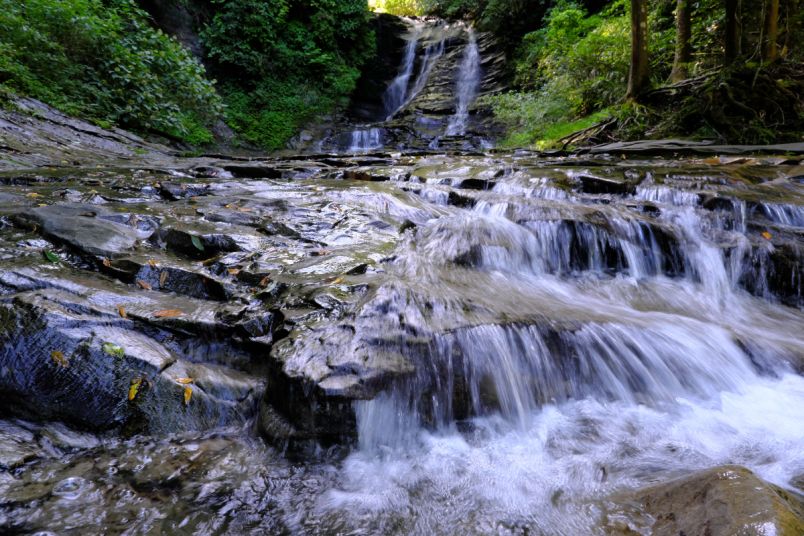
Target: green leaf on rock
(113,349)
(197,243)
(50,256)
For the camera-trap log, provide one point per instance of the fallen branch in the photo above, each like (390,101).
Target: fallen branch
(587,133)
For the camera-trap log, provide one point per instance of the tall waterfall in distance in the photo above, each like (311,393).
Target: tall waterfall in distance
(467,86)
(401,91)
(396,94)
(431,54)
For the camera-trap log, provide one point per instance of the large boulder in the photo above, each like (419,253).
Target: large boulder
(103,357)
(724,501)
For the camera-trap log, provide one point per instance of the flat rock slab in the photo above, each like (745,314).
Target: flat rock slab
(33,134)
(82,227)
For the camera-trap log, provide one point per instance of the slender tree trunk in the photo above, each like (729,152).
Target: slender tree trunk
(638,75)
(769,48)
(733,30)
(683,46)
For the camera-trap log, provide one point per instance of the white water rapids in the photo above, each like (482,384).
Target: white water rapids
(567,346)
(648,376)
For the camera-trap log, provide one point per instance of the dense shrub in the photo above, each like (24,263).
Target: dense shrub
(575,65)
(104,61)
(286,61)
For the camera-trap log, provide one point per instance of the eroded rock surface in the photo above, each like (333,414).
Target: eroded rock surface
(723,501)
(332,279)
(324,300)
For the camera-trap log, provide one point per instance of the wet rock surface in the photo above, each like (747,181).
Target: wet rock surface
(315,300)
(307,279)
(721,501)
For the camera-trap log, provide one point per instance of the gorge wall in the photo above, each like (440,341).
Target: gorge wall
(420,92)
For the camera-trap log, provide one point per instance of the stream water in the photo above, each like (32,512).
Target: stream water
(567,345)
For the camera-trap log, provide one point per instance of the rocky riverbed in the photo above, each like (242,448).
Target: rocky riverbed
(391,343)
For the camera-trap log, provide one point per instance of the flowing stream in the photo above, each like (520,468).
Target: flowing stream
(396,94)
(567,345)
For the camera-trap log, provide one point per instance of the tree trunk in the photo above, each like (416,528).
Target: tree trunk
(769,48)
(683,46)
(638,74)
(733,30)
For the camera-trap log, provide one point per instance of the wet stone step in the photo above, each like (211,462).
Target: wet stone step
(76,357)
(87,228)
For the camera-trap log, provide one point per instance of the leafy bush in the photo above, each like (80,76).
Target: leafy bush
(104,61)
(403,8)
(575,65)
(290,61)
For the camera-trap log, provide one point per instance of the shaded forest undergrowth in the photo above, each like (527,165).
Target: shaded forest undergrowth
(741,104)
(256,73)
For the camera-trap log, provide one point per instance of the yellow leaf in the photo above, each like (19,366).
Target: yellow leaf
(59,359)
(338,281)
(234,271)
(163,278)
(134,388)
(144,284)
(122,311)
(33,195)
(152,263)
(188,394)
(766,235)
(168,313)
(184,381)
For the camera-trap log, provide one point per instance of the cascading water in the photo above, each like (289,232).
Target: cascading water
(591,348)
(502,344)
(396,94)
(466,87)
(364,140)
(431,55)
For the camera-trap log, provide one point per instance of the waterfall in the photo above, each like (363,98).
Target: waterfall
(432,53)
(396,93)
(539,303)
(366,140)
(785,214)
(466,87)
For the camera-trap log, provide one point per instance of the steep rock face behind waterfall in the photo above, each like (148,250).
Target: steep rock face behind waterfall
(410,96)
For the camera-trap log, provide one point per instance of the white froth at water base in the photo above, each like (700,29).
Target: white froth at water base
(554,474)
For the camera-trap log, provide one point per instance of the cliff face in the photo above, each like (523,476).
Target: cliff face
(428,75)
(367,103)
(181,19)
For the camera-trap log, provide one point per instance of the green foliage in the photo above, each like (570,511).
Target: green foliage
(575,65)
(104,61)
(291,60)
(403,8)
